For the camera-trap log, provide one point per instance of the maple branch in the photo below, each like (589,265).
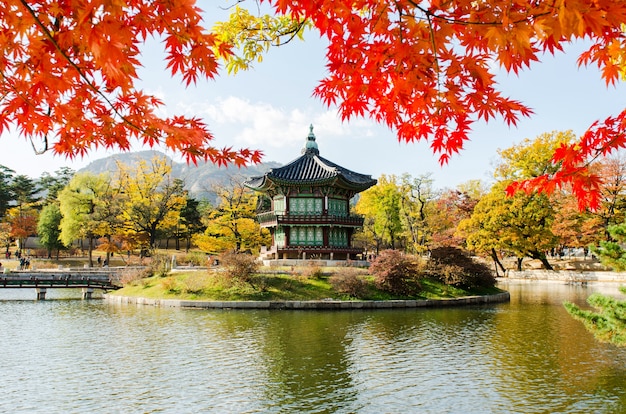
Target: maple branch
(436,56)
(81,73)
(446,19)
(29,103)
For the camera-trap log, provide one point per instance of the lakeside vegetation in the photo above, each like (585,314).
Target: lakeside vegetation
(278,286)
(392,275)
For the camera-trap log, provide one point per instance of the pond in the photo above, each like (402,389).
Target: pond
(65,355)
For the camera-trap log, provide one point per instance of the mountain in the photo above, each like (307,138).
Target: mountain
(199,179)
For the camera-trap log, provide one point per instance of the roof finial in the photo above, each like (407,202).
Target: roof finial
(310,145)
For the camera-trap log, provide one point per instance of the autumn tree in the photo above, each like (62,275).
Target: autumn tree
(5,237)
(85,204)
(24,213)
(152,201)
(232,224)
(451,207)
(427,70)
(69,75)
(612,208)
(573,227)
(424,69)
(519,224)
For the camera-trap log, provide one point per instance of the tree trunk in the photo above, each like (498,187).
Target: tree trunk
(90,251)
(519,263)
(542,258)
(497,262)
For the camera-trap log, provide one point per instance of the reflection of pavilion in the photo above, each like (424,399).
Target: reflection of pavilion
(307,207)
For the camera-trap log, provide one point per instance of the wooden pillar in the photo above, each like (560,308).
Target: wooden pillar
(41,293)
(87,293)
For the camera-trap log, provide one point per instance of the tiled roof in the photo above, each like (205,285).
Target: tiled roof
(310,168)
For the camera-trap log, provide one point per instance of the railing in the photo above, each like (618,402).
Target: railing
(320,249)
(106,280)
(270,218)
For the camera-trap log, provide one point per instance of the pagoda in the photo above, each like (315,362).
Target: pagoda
(307,207)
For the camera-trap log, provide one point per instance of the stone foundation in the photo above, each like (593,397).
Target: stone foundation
(309,305)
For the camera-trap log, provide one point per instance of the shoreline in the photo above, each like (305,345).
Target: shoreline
(309,305)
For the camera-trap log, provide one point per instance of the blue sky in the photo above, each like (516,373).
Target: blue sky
(271,107)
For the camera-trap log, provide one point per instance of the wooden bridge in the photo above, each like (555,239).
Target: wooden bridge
(86,279)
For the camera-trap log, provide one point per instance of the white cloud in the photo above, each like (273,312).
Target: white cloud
(263,125)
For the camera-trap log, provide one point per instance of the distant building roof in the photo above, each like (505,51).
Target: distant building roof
(311,169)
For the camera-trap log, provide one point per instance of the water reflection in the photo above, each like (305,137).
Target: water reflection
(527,356)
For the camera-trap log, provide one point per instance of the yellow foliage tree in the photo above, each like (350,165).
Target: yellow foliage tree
(152,200)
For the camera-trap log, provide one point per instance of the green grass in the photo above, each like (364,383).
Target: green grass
(204,285)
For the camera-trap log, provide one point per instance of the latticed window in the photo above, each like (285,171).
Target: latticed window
(305,205)
(337,207)
(338,237)
(306,236)
(279,237)
(279,205)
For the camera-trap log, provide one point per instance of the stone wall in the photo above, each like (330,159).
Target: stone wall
(567,275)
(310,305)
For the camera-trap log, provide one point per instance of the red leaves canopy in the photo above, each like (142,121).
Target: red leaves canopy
(68,72)
(425,69)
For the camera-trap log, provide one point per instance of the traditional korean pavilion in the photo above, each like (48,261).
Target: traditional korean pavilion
(308,207)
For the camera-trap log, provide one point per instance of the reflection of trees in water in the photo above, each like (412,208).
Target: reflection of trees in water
(545,359)
(523,356)
(307,367)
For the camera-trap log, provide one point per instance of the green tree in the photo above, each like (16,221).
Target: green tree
(608,322)
(86,206)
(6,190)
(48,229)
(53,184)
(417,202)
(380,206)
(190,222)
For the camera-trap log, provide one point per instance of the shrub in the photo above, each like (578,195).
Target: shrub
(455,267)
(349,283)
(133,274)
(312,271)
(196,282)
(397,273)
(159,265)
(191,259)
(170,285)
(239,266)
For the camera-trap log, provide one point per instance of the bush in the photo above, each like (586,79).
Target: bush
(312,271)
(191,259)
(196,282)
(455,267)
(348,283)
(239,267)
(397,273)
(159,265)
(131,275)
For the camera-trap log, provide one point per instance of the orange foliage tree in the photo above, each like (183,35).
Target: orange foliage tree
(425,69)
(69,70)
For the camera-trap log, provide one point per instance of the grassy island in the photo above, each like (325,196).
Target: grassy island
(239,278)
